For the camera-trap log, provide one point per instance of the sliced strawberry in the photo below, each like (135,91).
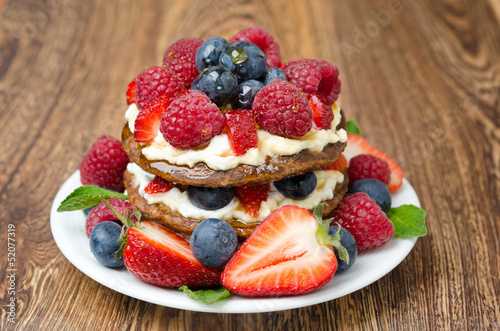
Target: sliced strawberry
(338,165)
(161,257)
(283,256)
(357,145)
(252,196)
(131,92)
(322,113)
(148,121)
(158,185)
(240,125)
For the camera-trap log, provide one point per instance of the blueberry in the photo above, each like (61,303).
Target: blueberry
(274,73)
(246,93)
(196,83)
(210,198)
(298,187)
(87,210)
(104,243)
(377,191)
(246,60)
(219,84)
(346,240)
(213,242)
(209,53)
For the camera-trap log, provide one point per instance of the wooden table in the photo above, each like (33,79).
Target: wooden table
(421,77)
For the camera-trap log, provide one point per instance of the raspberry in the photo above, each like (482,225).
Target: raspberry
(104,164)
(156,82)
(252,196)
(240,127)
(180,59)
(322,113)
(264,41)
(365,220)
(368,166)
(191,120)
(280,108)
(131,92)
(315,77)
(101,213)
(338,165)
(158,185)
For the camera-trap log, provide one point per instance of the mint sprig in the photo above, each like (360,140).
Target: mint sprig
(353,127)
(207,296)
(87,196)
(408,220)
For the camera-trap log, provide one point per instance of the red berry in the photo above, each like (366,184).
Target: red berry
(280,108)
(315,77)
(147,123)
(368,166)
(158,185)
(264,41)
(322,113)
(364,219)
(131,92)
(240,125)
(338,165)
(101,213)
(191,120)
(104,164)
(251,197)
(156,82)
(180,58)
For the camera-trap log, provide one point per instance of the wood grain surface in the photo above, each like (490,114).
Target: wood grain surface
(422,78)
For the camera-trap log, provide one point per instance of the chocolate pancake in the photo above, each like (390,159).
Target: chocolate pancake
(164,215)
(275,168)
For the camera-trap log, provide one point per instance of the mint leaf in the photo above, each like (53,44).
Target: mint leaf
(87,196)
(352,127)
(408,220)
(206,296)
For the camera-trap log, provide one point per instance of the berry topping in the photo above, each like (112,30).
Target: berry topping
(210,198)
(101,213)
(358,145)
(280,108)
(252,196)
(365,220)
(264,41)
(322,113)
(348,242)
(191,120)
(148,121)
(297,187)
(104,164)
(338,165)
(158,185)
(244,59)
(368,166)
(376,190)
(246,94)
(315,77)
(219,84)
(240,127)
(274,73)
(213,242)
(209,53)
(180,59)
(156,82)
(104,243)
(131,92)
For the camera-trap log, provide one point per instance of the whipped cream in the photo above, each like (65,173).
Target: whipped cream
(218,154)
(178,200)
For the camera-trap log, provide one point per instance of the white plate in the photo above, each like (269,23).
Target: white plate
(68,229)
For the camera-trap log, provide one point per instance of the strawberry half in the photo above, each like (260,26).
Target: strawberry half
(322,114)
(240,125)
(148,121)
(251,197)
(131,92)
(289,253)
(158,185)
(338,165)
(357,145)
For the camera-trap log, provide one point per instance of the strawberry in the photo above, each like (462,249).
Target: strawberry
(131,92)
(357,145)
(252,196)
(240,126)
(338,165)
(148,120)
(158,185)
(322,113)
(289,253)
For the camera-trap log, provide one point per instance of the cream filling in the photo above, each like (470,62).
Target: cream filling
(178,201)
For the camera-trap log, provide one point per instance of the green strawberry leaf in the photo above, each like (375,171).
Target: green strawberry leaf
(207,296)
(324,238)
(87,196)
(408,220)
(352,127)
